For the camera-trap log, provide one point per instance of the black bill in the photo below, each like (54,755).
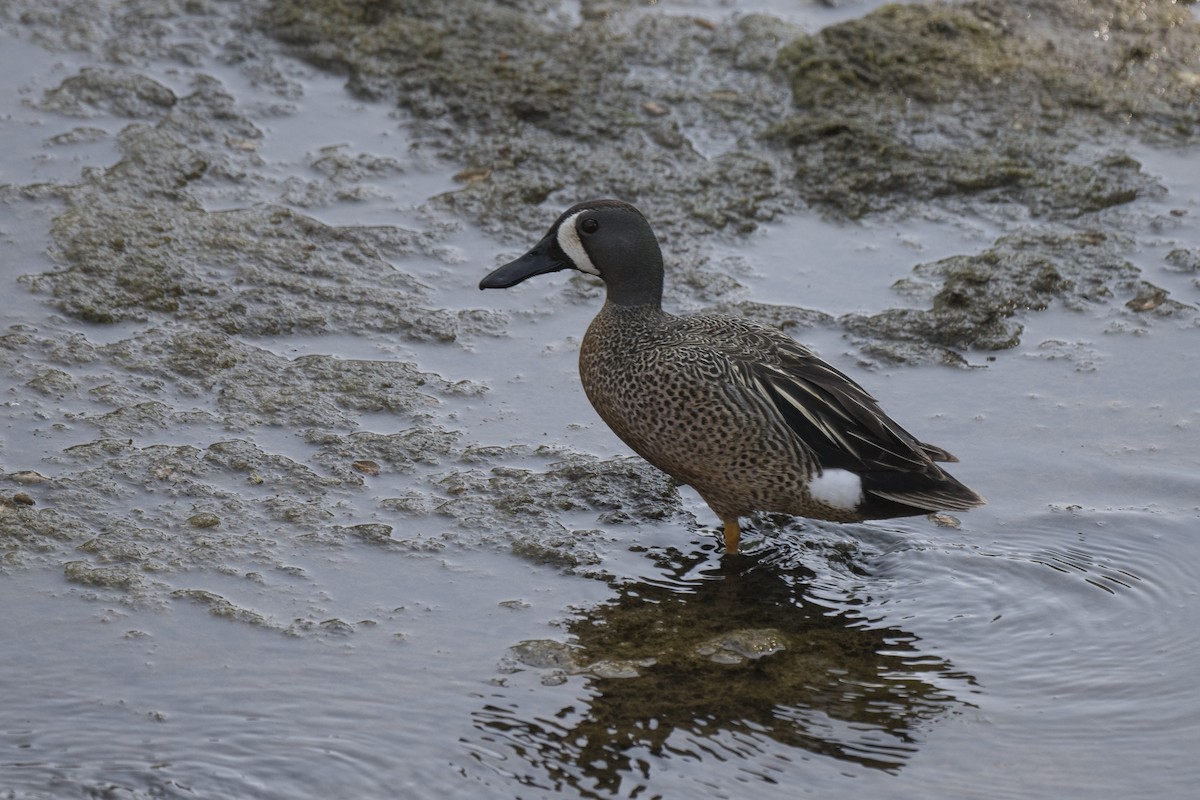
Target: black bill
(544,257)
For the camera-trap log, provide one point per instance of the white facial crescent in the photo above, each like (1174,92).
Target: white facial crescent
(568,240)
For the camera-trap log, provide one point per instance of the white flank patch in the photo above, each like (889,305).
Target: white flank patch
(568,240)
(838,488)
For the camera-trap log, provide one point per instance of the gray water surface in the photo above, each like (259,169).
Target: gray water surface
(291,509)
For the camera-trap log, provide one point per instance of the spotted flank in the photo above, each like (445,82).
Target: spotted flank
(748,417)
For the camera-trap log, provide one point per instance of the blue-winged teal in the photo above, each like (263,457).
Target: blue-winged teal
(748,417)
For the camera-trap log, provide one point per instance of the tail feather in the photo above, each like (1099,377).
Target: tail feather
(897,493)
(935,500)
(936,453)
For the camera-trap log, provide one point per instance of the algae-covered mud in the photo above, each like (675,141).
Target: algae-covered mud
(289,509)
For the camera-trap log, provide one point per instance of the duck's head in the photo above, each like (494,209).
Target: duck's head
(606,238)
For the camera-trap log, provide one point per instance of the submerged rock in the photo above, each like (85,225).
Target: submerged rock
(742,646)
(563,659)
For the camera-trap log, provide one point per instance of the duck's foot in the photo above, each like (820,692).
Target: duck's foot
(733,537)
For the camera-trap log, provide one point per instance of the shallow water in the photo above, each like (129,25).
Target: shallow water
(1045,648)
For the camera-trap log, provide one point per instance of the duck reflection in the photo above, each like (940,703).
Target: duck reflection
(739,659)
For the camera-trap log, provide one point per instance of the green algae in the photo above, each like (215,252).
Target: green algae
(714,127)
(910,103)
(976,302)
(523,508)
(976,107)
(125,94)
(973,106)
(29,534)
(172,508)
(219,606)
(126,578)
(988,99)
(515,94)
(137,244)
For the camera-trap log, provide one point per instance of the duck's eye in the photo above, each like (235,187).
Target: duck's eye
(589,225)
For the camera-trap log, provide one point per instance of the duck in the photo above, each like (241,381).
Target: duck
(750,418)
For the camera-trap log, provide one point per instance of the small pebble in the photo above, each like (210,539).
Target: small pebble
(366,467)
(555,677)
(473,175)
(1148,299)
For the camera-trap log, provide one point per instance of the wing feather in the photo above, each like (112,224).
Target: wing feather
(838,419)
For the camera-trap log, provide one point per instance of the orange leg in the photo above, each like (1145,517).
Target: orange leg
(733,534)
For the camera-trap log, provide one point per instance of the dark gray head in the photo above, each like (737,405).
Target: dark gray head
(606,238)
